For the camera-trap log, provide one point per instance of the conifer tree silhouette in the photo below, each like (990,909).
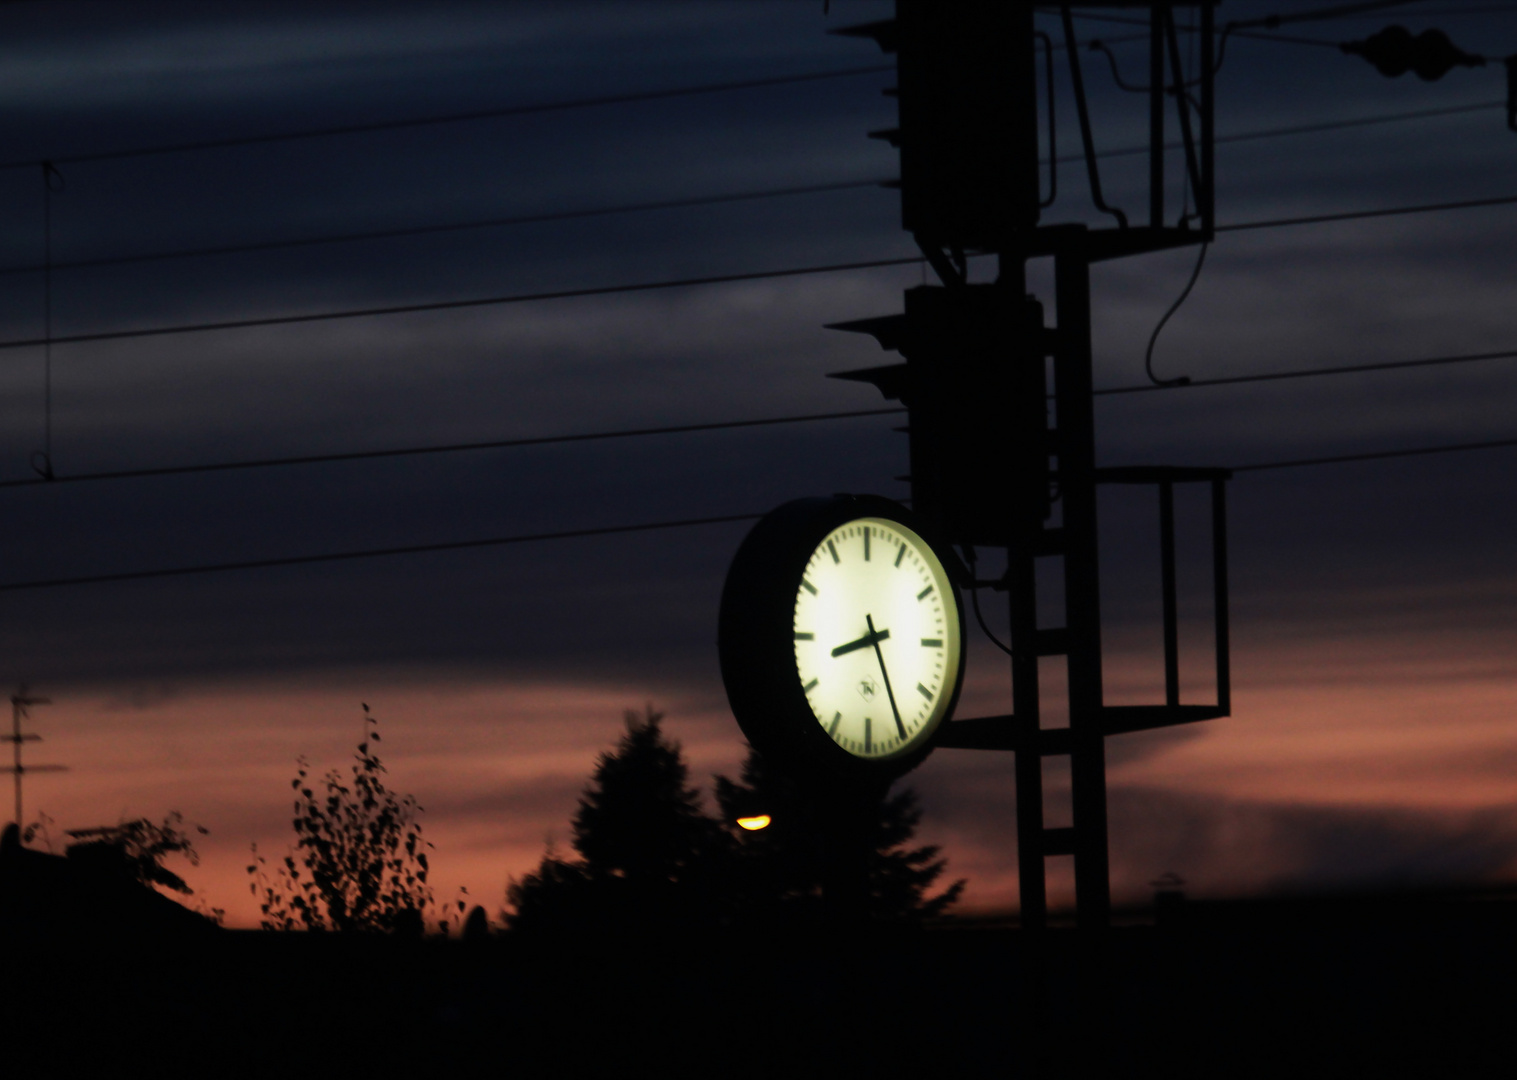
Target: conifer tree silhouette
(648,855)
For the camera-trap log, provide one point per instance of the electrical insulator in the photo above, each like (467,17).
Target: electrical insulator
(1394,52)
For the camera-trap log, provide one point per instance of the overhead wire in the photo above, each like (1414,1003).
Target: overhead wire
(454,305)
(715,279)
(447,227)
(449,118)
(722,425)
(665,204)
(1358,215)
(372,553)
(1377,455)
(335,130)
(610,530)
(448,448)
(398,232)
(1307,373)
(647,286)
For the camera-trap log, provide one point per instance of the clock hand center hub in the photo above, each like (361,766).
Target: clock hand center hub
(874,637)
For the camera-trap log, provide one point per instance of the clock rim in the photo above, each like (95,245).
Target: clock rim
(756,639)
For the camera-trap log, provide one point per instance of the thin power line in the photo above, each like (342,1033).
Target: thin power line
(496,444)
(693,201)
(1302,373)
(1381,455)
(648,286)
(1312,128)
(460,226)
(373,553)
(450,305)
(724,425)
(610,530)
(1356,215)
(1288,39)
(451,118)
(1245,28)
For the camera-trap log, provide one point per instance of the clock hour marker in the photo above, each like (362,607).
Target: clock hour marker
(927,642)
(833,730)
(866,543)
(922,595)
(867,747)
(834,551)
(803,635)
(810,686)
(808,586)
(901,555)
(926,693)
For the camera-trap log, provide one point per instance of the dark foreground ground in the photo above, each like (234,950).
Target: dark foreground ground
(1409,985)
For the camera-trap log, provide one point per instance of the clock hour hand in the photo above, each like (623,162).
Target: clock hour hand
(874,637)
(878,655)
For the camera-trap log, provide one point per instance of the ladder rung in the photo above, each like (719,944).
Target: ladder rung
(1053,642)
(1059,841)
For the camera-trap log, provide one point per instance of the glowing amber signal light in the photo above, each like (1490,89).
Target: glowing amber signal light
(754,823)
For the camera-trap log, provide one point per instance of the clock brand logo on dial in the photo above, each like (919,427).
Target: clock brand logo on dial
(875,643)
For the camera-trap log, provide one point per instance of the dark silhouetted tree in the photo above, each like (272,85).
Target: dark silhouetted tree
(359,862)
(779,869)
(136,849)
(647,852)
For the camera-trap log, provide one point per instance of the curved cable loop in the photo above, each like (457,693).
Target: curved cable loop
(974,600)
(1148,357)
(1077,81)
(1097,45)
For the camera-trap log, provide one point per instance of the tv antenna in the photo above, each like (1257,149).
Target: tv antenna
(20,703)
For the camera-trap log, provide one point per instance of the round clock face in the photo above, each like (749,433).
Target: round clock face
(840,638)
(876,638)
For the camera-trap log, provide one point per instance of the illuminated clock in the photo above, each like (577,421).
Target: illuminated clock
(840,637)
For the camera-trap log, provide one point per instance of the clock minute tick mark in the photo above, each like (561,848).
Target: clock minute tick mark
(809,686)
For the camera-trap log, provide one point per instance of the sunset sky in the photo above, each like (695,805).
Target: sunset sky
(1374,728)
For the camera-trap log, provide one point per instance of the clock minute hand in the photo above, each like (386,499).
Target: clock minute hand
(878,655)
(874,637)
